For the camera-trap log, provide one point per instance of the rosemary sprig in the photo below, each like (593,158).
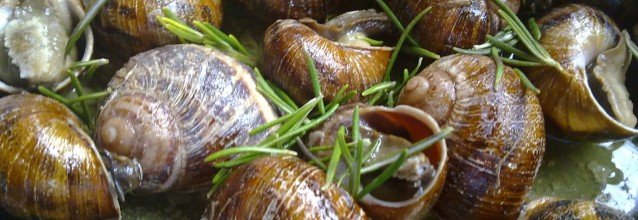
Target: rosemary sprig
(83,24)
(499,67)
(386,90)
(314,78)
(404,35)
(370,41)
(384,176)
(207,35)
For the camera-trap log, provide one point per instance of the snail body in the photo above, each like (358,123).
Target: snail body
(130,27)
(51,168)
(595,58)
(274,187)
(33,36)
(173,106)
(499,138)
(355,64)
(554,208)
(416,186)
(451,23)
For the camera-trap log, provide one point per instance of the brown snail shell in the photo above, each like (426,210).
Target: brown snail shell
(622,11)
(271,10)
(405,122)
(50,167)
(356,64)
(130,27)
(499,138)
(275,187)
(554,208)
(593,103)
(173,106)
(33,35)
(451,23)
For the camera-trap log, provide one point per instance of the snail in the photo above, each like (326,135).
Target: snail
(414,189)
(173,106)
(275,187)
(336,49)
(130,27)
(623,11)
(271,10)
(595,57)
(33,36)
(451,23)
(499,138)
(554,208)
(50,168)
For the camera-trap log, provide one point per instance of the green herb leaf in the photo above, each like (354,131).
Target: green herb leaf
(83,24)
(385,175)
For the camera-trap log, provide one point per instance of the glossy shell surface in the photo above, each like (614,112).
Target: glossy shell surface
(50,167)
(173,106)
(554,208)
(275,187)
(271,10)
(499,138)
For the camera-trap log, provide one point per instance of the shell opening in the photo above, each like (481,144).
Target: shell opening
(351,27)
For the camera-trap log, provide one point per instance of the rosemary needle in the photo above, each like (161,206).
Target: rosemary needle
(83,24)
(385,175)
(404,35)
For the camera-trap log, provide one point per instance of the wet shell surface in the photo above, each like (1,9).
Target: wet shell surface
(275,187)
(499,138)
(173,106)
(130,27)
(338,64)
(451,23)
(271,10)
(398,198)
(50,168)
(593,103)
(554,208)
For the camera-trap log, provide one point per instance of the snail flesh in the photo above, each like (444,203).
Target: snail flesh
(33,36)
(50,168)
(173,106)
(275,187)
(130,27)
(554,208)
(594,104)
(339,56)
(417,184)
(451,23)
(499,137)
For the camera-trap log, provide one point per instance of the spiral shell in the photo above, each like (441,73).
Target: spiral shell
(554,208)
(405,122)
(499,138)
(337,63)
(130,27)
(50,167)
(280,188)
(451,23)
(173,106)
(271,10)
(33,35)
(593,103)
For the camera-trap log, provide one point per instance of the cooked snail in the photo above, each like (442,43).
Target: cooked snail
(588,100)
(414,189)
(173,106)
(33,36)
(335,47)
(130,27)
(451,23)
(499,138)
(50,168)
(554,208)
(275,187)
(271,10)
(623,11)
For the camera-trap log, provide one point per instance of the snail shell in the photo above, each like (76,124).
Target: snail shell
(593,103)
(554,208)
(173,106)
(130,27)
(451,23)
(33,35)
(622,11)
(271,10)
(356,64)
(499,138)
(406,122)
(51,168)
(276,187)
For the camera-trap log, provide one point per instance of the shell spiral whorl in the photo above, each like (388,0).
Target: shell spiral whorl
(173,106)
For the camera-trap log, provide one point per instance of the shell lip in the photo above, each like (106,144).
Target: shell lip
(79,12)
(428,120)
